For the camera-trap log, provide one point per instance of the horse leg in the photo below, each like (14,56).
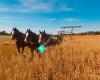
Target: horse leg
(31,55)
(38,53)
(32,52)
(22,50)
(18,48)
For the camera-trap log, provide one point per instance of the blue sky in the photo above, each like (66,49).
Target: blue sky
(49,14)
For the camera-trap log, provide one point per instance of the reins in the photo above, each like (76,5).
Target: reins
(46,42)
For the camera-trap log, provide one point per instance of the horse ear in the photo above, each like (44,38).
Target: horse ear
(44,31)
(40,31)
(13,27)
(29,29)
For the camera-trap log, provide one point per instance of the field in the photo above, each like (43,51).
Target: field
(76,59)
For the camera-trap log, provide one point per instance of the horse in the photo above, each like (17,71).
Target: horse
(44,37)
(32,39)
(19,37)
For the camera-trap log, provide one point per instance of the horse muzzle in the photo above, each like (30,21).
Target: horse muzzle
(12,38)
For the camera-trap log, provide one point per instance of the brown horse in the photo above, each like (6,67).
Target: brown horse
(32,39)
(44,37)
(19,37)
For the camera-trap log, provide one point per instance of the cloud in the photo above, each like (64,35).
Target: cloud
(6,19)
(72,19)
(51,20)
(65,8)
(13,9)
(4,9)
(48,6)
(37,6)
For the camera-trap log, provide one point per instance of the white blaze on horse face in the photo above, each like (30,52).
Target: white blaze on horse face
(26,36)
(12,33)
(40,37)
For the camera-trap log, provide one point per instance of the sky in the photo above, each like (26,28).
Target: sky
(49,15)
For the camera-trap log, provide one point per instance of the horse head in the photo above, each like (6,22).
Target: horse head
(13,33)
(42,36)
(16,34)
(30,36)
(27,35)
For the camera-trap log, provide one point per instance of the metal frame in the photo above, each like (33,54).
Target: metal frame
(63,31)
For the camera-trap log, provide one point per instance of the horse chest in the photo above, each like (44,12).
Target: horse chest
(20,43)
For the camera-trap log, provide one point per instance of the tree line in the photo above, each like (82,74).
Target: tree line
(4,33)
(90,33)
(83,33)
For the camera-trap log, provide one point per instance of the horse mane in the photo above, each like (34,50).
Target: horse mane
(18,31)
(20,35)
(32,33)
(33,36)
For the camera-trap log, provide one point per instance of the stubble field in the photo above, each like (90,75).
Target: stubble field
(76,59)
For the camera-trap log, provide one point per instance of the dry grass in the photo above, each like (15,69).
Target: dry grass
(78,59)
